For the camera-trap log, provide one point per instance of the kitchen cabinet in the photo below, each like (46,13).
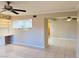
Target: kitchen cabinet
(4,23)
(2,40)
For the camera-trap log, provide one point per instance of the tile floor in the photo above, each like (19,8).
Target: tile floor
(57,49)
(14,51)
(62,42)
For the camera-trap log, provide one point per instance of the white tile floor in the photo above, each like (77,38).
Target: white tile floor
(14,51)
(57,49)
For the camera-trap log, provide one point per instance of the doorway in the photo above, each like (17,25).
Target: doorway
(62,33)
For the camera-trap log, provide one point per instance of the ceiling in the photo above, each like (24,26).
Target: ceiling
(41,7)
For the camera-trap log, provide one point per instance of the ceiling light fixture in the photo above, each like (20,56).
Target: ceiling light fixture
(69,19)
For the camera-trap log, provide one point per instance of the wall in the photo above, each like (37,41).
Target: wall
(33,37)
(77,41)
(38,35)
(60,28)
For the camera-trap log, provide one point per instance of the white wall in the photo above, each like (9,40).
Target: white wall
(34,37)
(77,41)
(63,29)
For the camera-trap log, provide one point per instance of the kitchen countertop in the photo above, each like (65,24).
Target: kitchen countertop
(6,34)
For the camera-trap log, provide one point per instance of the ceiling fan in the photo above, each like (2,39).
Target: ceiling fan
(8,7)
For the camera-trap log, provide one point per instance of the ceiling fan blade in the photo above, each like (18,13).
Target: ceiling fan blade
(19,10)
(14,12)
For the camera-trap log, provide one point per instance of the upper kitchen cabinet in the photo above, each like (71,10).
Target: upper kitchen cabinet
(5,23)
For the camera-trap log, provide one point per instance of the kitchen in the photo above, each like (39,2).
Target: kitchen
(5,29)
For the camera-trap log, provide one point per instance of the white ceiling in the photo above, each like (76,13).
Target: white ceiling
(40,7)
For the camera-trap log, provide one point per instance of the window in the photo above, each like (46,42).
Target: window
(22,24)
